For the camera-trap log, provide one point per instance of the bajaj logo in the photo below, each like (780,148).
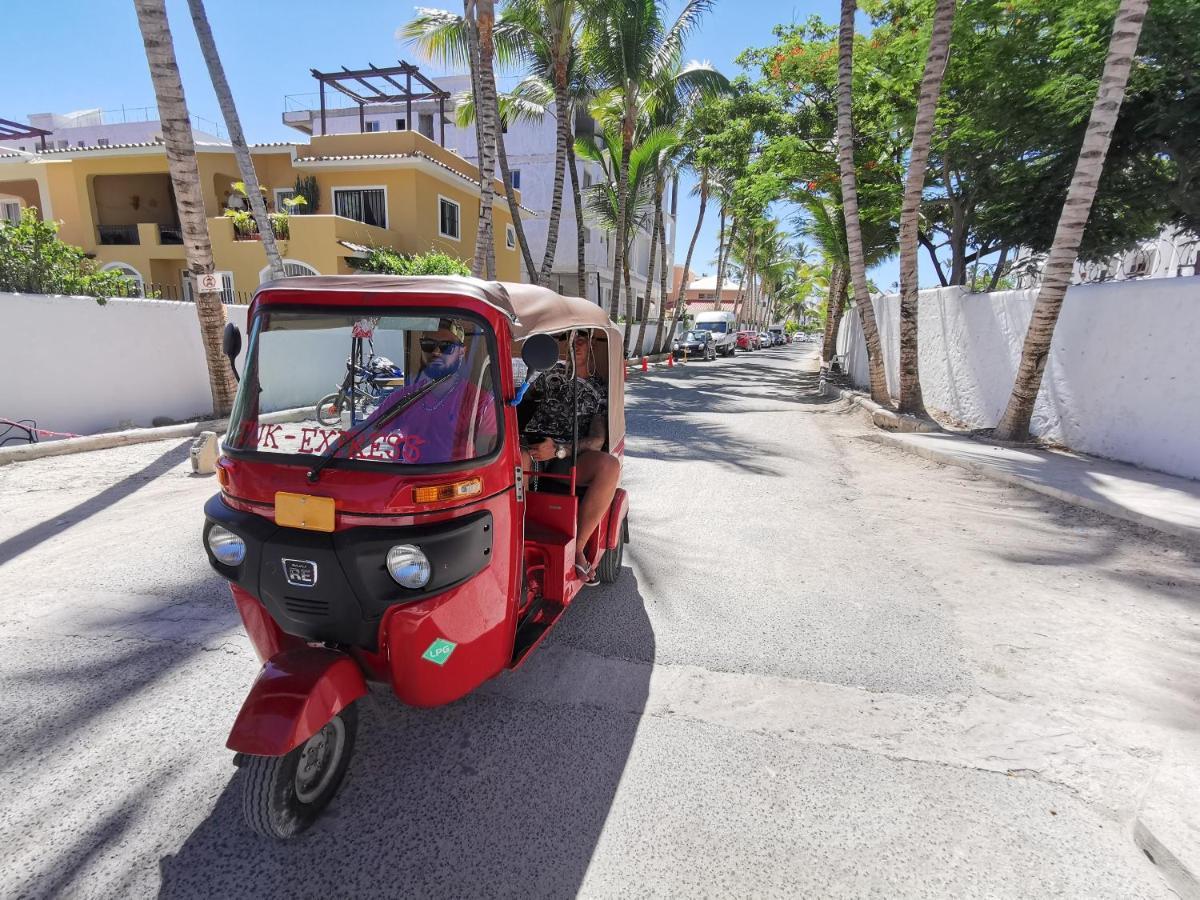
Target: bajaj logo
(300,572)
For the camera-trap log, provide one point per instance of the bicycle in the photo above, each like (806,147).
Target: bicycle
(361,392)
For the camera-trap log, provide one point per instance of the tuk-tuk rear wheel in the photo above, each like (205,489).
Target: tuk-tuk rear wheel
(329,409)
(610,563)
(283,795)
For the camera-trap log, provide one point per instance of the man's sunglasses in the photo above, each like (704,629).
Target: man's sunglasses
(428,345)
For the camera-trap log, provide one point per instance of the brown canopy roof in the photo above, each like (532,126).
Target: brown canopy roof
(532,309)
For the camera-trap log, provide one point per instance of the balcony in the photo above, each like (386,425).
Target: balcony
(170,234)
(117,234)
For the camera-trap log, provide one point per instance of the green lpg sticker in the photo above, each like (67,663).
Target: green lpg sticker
(439,651)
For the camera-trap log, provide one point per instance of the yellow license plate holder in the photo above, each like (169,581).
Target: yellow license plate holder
(304,511)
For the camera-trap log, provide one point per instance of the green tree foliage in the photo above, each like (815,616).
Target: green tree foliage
(384,261)
(1010,122)
(34,261)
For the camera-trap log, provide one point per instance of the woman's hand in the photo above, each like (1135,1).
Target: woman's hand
(543,450)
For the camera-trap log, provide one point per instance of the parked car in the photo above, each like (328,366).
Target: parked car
(723,327)
(777,338)
(747,340)
(764,338)
(697,343)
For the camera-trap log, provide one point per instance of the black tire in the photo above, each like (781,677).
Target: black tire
(329,409)
(610,563)
(275,801)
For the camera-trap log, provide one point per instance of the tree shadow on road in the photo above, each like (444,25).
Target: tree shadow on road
(500,794)
(14,546)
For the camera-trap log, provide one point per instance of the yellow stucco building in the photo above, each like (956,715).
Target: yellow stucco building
(384,189)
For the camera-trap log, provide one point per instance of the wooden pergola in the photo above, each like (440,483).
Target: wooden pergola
(374,86)
(15,131)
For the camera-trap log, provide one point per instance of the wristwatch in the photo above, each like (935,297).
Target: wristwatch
(560,451)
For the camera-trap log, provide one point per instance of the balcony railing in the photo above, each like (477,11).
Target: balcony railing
(118,234)
(170,234)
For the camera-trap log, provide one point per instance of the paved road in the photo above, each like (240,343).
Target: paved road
(827,670)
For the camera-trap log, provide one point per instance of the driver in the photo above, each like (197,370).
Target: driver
(550,432)
(453,420)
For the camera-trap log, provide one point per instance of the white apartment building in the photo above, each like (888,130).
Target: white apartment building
(530,147)
(103,128)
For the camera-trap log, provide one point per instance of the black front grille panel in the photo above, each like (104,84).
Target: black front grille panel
(352,589)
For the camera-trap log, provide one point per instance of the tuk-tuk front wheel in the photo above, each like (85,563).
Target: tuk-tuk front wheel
(283,795)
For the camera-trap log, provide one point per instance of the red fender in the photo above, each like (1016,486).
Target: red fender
(295,695)
(616,515)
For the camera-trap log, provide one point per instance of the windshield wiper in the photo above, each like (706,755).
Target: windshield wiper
(327,457)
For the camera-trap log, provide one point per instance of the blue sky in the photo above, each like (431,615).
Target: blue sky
(268,46)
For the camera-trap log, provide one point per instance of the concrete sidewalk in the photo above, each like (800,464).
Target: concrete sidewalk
(1163,502)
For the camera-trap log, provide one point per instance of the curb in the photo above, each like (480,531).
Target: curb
(884,418)
(1066,496)
(106,441)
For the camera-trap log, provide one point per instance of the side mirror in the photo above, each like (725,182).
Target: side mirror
(539,352)
(231,346)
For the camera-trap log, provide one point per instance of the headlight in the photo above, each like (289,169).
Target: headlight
(227,547)
(408,566)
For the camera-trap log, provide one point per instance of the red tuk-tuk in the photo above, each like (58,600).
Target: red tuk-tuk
(403,545)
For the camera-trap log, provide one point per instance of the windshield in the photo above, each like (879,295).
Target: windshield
(719,327)
(696,335)
(420,387)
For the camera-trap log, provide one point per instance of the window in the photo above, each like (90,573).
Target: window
(515,178)
(281,196)
(373,125)
(291,268)
(510,237)
(401,125)
(81,143)
(425,124)
(103,142)
(10,211)
(366,205)
(131,273)
(448,215)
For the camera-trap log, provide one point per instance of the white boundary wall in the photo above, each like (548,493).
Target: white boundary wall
(1122,381)
(76,366)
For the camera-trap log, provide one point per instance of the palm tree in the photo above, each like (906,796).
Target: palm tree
(185,181)
(1056,274)
(539,34)
(910,210)
(701,188)
(233,124)
(629,47)
(480,17)
(854,241)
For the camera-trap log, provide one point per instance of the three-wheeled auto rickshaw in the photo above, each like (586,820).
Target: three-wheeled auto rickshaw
(404,546)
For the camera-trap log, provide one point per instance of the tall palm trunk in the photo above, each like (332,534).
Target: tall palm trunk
(513,208)
(185,182)
(562,112)
(580,231)
(687,262)
(620,260)
(910,210)
(655,226)
(858,268)
(662,286)
(835,305)
(723,256)
(1056,274)
(480,17)
(233,124)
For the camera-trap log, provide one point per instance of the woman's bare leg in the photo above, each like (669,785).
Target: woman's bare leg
(601,472)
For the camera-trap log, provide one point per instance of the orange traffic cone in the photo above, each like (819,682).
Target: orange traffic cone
(671,361)
(645,364)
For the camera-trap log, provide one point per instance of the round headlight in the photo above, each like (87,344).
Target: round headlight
(227,547)
(408,566)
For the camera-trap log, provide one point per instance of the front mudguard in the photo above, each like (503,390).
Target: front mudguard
(295,695)
(616,518)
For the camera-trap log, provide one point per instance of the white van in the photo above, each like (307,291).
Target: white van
(723,327)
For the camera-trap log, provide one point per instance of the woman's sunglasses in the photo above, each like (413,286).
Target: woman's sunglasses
(428,345)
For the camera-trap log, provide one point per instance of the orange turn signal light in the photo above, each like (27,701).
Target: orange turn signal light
(438,492)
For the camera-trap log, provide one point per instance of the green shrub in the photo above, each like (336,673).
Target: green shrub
(384,261)
(34,261)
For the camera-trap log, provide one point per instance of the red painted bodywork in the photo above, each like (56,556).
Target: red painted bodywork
(302,687)
(616,516)
(297,692)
